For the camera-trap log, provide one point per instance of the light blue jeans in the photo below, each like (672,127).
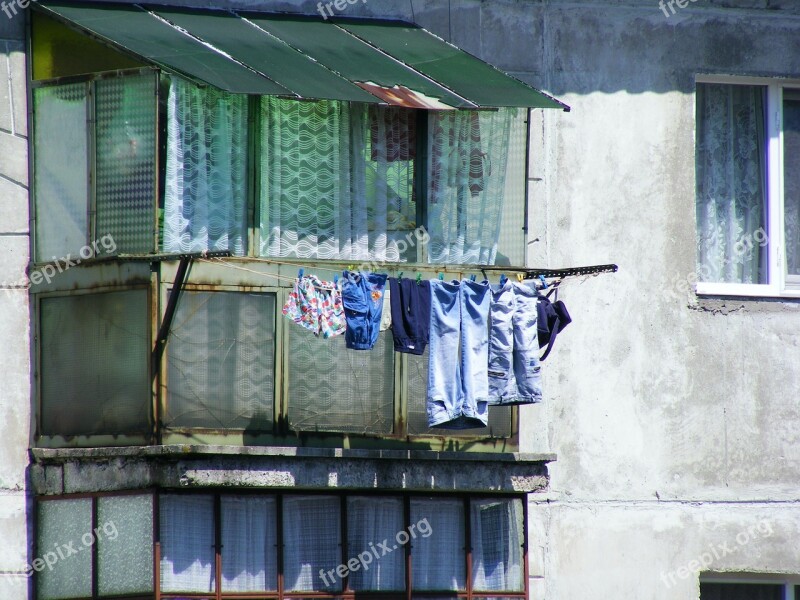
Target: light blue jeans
(458,380)
(514,371)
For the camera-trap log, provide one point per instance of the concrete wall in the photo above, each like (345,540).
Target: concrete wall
(14,312)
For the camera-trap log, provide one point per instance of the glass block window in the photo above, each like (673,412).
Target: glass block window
(499,416)
(60,186)
(61,525)
(187,543)
(125,544)
(95,352)
(332,388)
(125,113)
(220,359)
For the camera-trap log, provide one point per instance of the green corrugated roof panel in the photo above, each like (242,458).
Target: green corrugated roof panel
(265,53)
(145,35)
(468,76)
(352,58)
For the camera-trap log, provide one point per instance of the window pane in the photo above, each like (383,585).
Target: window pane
(511,242)
(311,542)
(94,364)
(187,543)
(205,206)
(61,527)
(437,562)
(337,181)
(125,110)
(499,416)
(370,522)
(249,544)
(791,182)
(125,544)
(740,591)
(731,183)
(61,186)
(467,170)
(220,361)
(497,532)
(332,388)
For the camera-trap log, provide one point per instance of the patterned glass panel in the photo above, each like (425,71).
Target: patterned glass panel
(94,364)
(511,243)
(220,360)
(499,416)
(61,180)
(125,544)
(332,388)
(63,525)
(126,145)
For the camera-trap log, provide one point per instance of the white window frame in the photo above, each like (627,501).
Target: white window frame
(787,581)
(779,284)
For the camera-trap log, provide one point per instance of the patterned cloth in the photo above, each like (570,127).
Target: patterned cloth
(317,306)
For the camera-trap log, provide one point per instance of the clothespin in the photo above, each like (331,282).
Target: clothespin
(520,277)
(544,282)
(472,277)
(300,273)
(441,276)
(419,278)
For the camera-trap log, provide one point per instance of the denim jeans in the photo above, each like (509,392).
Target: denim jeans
(514,371)
(458,380)
(362,296)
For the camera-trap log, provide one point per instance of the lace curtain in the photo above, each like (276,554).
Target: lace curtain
(206,182)
(311,541)
(438,560)
(731,183)
(369,521)
(336,180)
(791,183)
(468,154)
(496,531)
(249,541)
(187,543)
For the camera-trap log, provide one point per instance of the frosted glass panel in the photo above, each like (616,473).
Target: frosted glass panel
(332,388)
(61,181)
(125,544)
(497,535)
(499,416)
(94,364)
(311,541)
(221,361)
(511,243)
(62,525)
(438,561)
(370,521)
(249,544)
(126,155)
(187,543)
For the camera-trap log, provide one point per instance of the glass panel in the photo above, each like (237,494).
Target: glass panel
(371,522)
(249,544)
(125,544)
(332,388)
(125,110)
(61,187)
(438,561)
(499,416)
(337,181)
(467,169)
(64,528)
(731,183)
(187,543)
(791,181)
(497,532)
(94,364)
(312,543)
(740,591)
(511,243)
(220,361)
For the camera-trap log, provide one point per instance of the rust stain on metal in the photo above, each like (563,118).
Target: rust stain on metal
(400,95)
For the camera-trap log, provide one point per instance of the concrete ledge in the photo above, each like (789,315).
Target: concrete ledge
(72,470)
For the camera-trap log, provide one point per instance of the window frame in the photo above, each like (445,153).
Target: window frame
(777,285)
(468,593)
(790,583)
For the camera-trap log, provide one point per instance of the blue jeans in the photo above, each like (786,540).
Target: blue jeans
(458,380)
(362,297)
(514,371)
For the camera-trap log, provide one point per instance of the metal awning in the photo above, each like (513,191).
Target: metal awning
(303,57)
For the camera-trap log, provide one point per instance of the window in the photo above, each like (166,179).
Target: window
(749,587)
(748,189)
(281,545)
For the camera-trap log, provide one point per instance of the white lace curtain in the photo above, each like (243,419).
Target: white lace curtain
(187,543)
(438,560)
(731,183)
(497,530)
(336,180)
(369,521)
(467,161)
(249,542)
(206,182)
(311,541)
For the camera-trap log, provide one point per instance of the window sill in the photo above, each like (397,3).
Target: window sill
(754,292)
